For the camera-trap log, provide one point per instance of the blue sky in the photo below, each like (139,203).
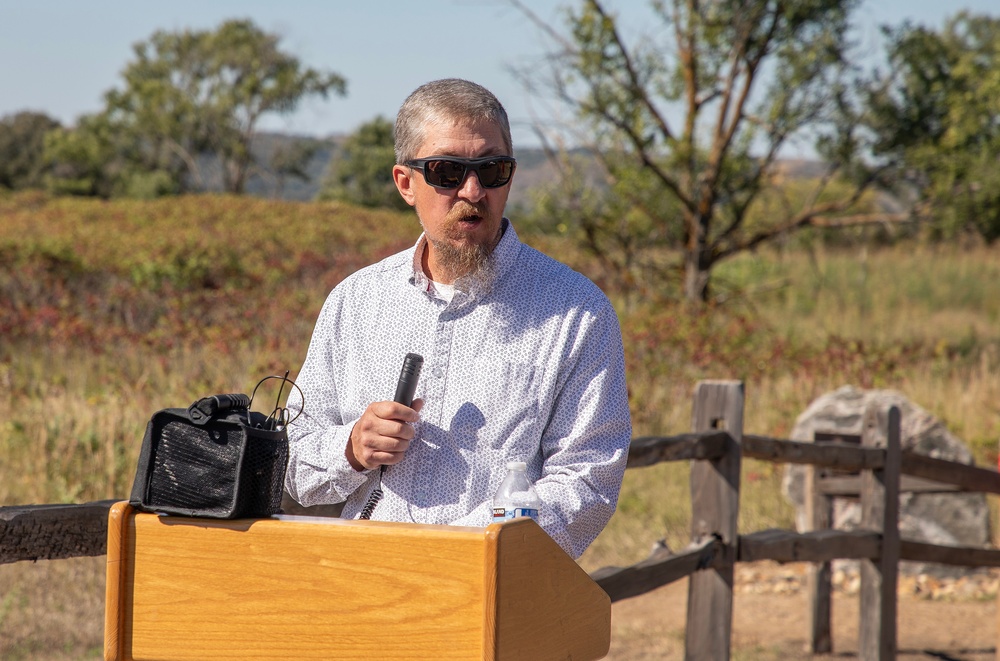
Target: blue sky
(60,56)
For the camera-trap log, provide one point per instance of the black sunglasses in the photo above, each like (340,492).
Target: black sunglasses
(450,172)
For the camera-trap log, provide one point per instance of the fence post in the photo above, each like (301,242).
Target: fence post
(880,511)
(715,498)
(819,516)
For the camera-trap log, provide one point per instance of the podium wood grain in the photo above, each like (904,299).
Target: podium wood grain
(303,588)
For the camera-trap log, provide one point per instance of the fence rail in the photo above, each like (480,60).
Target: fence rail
(715,449)
(53,532)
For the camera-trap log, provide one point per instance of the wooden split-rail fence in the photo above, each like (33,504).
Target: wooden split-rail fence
(715,449)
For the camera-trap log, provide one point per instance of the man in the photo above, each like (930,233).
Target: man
(522,356)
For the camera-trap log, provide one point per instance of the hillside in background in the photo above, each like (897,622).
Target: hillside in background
(533,169)
(265,184)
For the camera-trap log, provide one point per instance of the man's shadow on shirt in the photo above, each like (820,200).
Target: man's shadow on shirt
(455,468)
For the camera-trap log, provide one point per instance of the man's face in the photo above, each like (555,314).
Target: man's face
(462,222)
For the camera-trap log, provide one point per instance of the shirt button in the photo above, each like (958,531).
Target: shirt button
(438,372)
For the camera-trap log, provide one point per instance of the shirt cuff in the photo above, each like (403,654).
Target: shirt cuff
(344,480)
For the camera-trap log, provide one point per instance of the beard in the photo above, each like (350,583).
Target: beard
(466,263)
(463,261)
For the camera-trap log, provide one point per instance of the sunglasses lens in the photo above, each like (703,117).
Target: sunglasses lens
(445,174)
(493,174)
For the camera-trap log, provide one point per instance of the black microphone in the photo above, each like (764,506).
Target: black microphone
(408,377)
(405,387)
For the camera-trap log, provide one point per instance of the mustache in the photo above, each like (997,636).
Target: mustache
(467,210)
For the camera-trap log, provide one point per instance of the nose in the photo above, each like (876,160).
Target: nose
(471,189)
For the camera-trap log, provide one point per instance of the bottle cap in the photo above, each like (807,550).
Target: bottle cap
(516,466)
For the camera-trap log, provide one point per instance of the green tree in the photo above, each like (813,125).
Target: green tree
(689,121)
(361,171)
(190,97)
(22,148)
(612,212)
(935,116)
(96,159)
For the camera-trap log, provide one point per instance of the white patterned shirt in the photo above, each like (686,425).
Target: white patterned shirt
(530,369)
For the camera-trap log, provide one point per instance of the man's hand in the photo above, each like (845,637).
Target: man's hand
(382,434)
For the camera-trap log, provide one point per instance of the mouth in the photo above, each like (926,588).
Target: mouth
(468,222)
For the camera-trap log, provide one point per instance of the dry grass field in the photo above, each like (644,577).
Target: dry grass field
(112,310)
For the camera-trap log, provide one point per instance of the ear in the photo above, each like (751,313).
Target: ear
(402,177)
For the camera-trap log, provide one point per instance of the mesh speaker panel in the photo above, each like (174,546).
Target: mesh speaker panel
(263,474)
(195,467)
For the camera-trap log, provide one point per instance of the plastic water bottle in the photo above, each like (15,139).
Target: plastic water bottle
(516,496)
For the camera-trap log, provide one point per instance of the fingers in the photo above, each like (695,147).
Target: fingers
(395,411)
(382,435)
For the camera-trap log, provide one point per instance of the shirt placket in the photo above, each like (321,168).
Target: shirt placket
(436,389)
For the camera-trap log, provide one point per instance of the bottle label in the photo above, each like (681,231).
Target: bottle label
(501,514)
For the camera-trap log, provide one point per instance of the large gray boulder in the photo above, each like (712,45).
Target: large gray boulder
(947,519)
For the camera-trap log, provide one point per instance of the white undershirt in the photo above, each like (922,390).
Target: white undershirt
(444,292)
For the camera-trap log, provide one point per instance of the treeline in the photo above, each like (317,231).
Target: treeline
(186,96)
(670,164)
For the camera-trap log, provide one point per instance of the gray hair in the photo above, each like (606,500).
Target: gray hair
(451,99)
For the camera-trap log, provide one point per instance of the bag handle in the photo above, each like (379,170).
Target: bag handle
(278,418)
(207,408)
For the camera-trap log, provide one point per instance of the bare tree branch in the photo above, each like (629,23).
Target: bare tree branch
(636,88)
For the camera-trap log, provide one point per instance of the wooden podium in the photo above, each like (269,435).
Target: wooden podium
(314,588)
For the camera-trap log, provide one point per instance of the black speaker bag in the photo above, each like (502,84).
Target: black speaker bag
(214,459)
